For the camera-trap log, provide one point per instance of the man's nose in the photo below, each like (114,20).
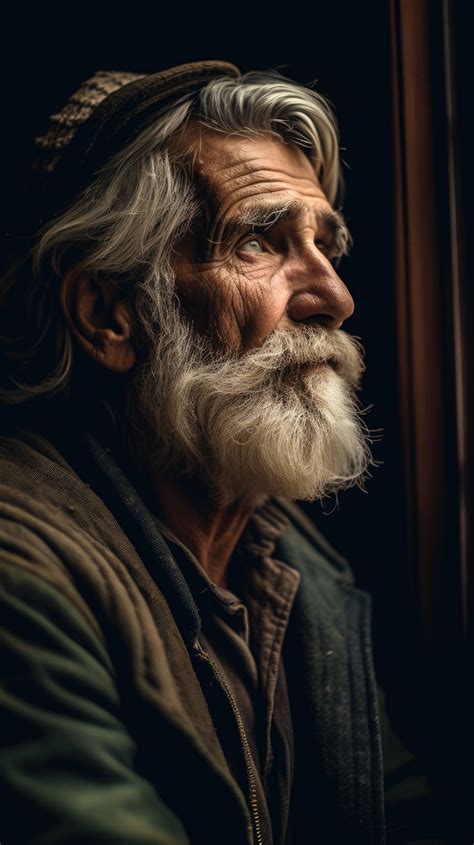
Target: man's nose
(318,294)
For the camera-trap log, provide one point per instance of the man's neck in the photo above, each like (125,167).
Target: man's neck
(210,532)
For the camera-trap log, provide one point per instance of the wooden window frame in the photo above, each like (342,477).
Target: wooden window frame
(432,324)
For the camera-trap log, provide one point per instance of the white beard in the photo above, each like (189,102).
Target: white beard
(262,423)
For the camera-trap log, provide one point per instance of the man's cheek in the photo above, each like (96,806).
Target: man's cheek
(233,302)
(196,292)
(259,300)
(241,301)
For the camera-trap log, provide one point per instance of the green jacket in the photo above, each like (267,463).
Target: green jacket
(106,733)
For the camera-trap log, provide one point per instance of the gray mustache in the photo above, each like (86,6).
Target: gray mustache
(296,349)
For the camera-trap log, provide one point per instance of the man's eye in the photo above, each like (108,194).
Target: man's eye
(322,246)
(252,245)
(329,250)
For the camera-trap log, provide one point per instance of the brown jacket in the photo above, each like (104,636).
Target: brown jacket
(107,735)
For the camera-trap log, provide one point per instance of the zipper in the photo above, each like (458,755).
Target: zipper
(245,745)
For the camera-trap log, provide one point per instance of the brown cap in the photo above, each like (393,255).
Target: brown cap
(107,112)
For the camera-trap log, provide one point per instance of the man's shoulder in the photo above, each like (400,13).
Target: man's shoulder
(37,482)
(55,528)
(32,466)
(42,493)
(40,540)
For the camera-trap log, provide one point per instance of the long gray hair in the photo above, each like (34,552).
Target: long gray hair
(125,225)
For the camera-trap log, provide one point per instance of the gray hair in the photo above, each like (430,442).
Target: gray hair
(127,222)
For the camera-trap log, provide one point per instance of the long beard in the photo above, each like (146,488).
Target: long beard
(263,423)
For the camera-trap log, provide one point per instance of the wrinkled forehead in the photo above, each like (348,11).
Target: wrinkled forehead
(238,169)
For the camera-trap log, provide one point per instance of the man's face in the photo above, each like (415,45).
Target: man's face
(241,276)
(236,391)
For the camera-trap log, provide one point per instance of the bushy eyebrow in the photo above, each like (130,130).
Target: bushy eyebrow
(264,216)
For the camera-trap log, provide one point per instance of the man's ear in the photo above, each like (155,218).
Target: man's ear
(98,319)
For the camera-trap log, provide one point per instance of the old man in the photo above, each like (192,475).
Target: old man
(186,658)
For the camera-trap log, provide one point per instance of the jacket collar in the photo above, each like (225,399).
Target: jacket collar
(327,654)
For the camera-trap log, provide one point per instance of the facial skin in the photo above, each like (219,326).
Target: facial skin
(243,285)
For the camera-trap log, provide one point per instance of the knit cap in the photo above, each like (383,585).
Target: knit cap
(104,115)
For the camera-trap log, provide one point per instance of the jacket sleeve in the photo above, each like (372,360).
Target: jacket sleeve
(66,759)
